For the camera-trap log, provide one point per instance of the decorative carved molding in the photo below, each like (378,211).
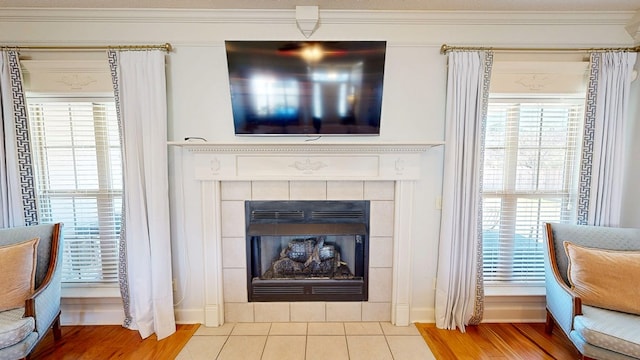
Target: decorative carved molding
(67,75)
(307,18)
(534,82)
(215,165)
(76,81)
(304,162)
(308,166)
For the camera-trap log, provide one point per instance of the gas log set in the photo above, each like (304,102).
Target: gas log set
(309,258)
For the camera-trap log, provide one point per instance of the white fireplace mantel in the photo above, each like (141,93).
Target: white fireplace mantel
(311,161)
(212,163)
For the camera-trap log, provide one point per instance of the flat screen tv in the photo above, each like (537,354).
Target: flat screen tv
(306,88)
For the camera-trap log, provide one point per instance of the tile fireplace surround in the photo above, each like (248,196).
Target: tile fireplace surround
(231,173)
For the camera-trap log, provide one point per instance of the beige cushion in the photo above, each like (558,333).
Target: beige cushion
(17,277)
(605,278)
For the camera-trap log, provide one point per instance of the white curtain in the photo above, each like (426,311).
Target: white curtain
(18,203)
(459,290)
(140,90)
(603,150)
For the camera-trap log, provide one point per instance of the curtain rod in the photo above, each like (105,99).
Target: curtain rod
(166,47)
(444,49)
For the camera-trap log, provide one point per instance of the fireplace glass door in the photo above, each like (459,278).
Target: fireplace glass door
(307,250)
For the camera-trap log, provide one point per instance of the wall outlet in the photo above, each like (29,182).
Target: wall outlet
(439,202)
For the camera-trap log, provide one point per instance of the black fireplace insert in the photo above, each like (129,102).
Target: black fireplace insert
(307,250)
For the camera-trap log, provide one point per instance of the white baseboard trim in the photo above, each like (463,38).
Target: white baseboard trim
(189,316)
(102,314)
(423,315)
(514,314)
(72,315)
(498,309)
(91,311)
(514,309)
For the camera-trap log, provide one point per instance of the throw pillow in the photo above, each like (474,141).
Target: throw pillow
(605,278)
(17,278)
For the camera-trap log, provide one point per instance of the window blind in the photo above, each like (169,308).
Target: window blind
(78,165)
(531,159)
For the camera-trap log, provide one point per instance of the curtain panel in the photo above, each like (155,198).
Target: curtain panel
(17,179)
(145,257)
(602,164)
(459,289)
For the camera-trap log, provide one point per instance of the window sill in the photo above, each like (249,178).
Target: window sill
(90,291)
(514,290)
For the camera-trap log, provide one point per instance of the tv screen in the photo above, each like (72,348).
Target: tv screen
(306,87)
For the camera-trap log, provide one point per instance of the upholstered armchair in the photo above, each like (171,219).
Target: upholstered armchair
(593,288)
(30,275)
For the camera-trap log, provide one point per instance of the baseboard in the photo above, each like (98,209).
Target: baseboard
(498,309)
(91,315)
(107,314)
(514,309)
(189,316)
(92,311)
(514,315)
(423,315)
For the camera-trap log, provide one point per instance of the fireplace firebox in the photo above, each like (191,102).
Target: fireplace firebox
(307,250)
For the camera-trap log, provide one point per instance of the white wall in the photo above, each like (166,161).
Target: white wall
(414,93)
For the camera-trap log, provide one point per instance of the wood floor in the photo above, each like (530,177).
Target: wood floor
(487,341)
(111,342)
(498,341)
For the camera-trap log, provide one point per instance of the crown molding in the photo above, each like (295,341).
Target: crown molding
(477,17)
(633,26)
(271,16)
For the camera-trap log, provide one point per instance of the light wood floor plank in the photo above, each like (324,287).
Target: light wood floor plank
(557,346)
(498,341)
(111,342)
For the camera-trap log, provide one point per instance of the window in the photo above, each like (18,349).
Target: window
(78,165)
(530,168)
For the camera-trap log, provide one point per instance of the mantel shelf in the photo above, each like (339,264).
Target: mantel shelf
(307,147)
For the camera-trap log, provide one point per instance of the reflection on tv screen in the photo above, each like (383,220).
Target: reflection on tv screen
(305,88)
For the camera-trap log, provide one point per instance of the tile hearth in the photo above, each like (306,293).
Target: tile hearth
(307,341)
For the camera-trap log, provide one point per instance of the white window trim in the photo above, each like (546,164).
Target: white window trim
(522,289)
(71,290)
